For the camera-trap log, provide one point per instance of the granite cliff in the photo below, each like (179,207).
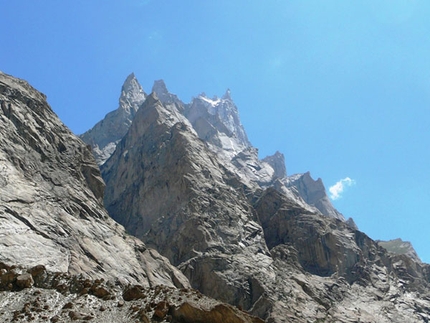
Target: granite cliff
(216,121)
(186,181)
(62,257)
(104,136)
(213,232)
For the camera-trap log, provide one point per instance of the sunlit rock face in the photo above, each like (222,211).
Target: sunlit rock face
(104,136)
(313,193)
(400,247)
(51,200)
(216,121)
(243,232)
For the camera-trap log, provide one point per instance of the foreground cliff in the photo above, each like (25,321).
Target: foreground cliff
(62,258)
(51,196)
(187,182)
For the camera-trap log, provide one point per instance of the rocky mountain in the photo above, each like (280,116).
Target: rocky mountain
(216,121)
(51,198)
(314,193)
(104,136)
(62,257)
(219,232)
(186,181)
(400,247)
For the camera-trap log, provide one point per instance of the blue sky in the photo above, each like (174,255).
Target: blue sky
(342,88)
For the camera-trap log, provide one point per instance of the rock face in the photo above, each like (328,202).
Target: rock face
(242,234)
(313,192)
(400,247)
(104,136)
(216,121)
(277,161)
(235,226)
(51,195)
(60,297)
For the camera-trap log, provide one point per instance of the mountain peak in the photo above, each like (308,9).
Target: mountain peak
(227,95)
(163,94)
(313,193)
(132,93)
(47,170)
(130,78)
(104,136)
(160,87)
(277,161)
(400,247)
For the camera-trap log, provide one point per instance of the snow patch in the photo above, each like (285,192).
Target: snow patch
(212,103)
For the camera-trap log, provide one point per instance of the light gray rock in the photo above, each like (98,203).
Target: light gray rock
(217,122)
(313,193)
(104,136)
(277,161)
(163,94)
(400,247)
(51,196)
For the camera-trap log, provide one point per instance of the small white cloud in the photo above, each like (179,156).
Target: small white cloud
(337,189)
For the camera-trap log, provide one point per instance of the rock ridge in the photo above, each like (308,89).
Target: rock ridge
(216,121)
(104,136)
(251,245)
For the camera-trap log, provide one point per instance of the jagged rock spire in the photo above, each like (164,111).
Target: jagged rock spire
(227,95)
(163,94)
(277,161)
(132,94)
(104,136)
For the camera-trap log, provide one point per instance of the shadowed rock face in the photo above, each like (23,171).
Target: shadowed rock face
(249,246)
(172,189)
(51,195)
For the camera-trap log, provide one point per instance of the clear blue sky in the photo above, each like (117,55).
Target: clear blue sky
(342,88)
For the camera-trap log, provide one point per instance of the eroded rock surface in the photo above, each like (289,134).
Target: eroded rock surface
(216,121)
(51,196)
(61,297)
(247,244)
(104,136)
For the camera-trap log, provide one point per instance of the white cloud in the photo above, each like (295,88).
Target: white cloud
(337,189)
